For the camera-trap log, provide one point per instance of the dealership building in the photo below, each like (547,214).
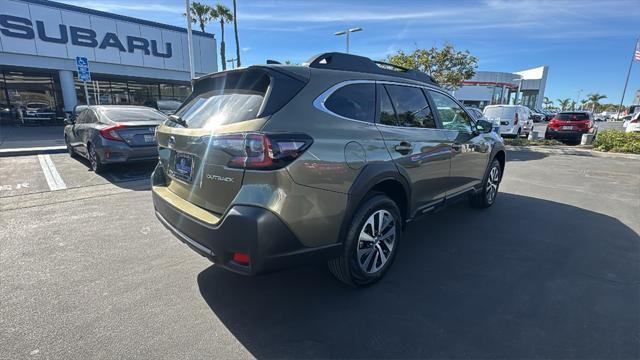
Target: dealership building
(130,60)
(494,88)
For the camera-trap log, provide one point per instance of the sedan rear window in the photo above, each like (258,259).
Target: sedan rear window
(132,114)
(572,116)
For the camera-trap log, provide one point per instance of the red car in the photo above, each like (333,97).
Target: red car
(569,126)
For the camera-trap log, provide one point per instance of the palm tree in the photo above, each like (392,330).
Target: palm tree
(235,30)
(200,13)
(583,103)
(224,15)
(547,102)
(564,103)
(594,99)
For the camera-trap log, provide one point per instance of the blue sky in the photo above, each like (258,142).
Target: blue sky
(586,44)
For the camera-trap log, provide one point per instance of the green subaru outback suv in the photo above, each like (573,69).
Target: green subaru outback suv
(273,166)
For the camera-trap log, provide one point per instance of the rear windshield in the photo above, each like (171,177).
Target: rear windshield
(498,112)
(133,114)
(168,105)
(237,96)
(572,116)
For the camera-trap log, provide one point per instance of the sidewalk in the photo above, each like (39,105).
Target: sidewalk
(29,140)
(566,150)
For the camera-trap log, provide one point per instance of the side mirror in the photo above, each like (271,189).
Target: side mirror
(484,126)
(68,121)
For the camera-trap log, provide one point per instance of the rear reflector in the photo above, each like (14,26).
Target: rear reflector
(241,258)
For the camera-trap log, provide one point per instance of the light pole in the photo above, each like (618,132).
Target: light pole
(233,63)
(190,42)
(578,98)
(347,32)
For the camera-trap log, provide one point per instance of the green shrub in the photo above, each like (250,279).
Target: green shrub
(618,141)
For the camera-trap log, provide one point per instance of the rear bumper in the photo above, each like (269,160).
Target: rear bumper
(564,135)
(119,152)
(250,230)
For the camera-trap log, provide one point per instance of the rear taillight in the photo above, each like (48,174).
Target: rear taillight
(111,133)
(515,119)
(258,151)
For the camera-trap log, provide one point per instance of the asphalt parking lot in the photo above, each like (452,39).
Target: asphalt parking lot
(550,271)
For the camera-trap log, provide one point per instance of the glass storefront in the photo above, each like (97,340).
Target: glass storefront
(30,97)
(34,96)
(110,91)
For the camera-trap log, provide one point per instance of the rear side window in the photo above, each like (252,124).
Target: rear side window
(411,106)
(387,114)
(90,117)
(572,116)
(354,101)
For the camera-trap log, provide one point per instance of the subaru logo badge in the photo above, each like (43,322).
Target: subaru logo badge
(172,141)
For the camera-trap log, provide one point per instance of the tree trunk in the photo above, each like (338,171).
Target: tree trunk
(222,50)
(235,30)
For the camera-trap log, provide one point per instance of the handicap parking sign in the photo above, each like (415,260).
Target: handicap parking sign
(83,68)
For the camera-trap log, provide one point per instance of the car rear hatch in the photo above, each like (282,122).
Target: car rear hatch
(570,122)
(504,115)
(141,133)
(201,147)
(135,125)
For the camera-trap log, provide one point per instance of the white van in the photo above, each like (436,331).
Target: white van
(514,120)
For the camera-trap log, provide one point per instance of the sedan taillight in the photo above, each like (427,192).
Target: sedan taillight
(110,132)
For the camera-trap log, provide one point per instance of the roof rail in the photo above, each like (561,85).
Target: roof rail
(348,62)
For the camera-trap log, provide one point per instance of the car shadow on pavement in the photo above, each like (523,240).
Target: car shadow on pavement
(132,176)
(526,278)
(525,155)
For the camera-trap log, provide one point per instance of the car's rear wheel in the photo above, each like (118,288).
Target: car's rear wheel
(371,242)
(487,195)
(94,160)
(70,149)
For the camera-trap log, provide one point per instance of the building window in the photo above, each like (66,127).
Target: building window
(30,97)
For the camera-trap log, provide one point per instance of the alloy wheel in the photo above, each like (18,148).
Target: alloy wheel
(376,241)
(93,158)
(492,184)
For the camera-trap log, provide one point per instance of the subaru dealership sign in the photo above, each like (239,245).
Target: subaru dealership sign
(48,29)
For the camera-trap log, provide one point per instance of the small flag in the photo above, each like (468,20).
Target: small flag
(637,56)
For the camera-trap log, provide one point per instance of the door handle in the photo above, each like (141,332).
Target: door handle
(403,148)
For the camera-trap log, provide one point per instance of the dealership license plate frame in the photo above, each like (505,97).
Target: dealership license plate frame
(181,172)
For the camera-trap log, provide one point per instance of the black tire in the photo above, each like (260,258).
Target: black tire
(94,160)
(347,268)
(482,199)
(70,149)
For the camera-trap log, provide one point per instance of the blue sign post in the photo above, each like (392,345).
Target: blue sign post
(84,74)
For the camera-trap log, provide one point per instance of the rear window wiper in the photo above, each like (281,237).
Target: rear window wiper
(178,120)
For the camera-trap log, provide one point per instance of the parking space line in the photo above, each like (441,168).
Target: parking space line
(54,180)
